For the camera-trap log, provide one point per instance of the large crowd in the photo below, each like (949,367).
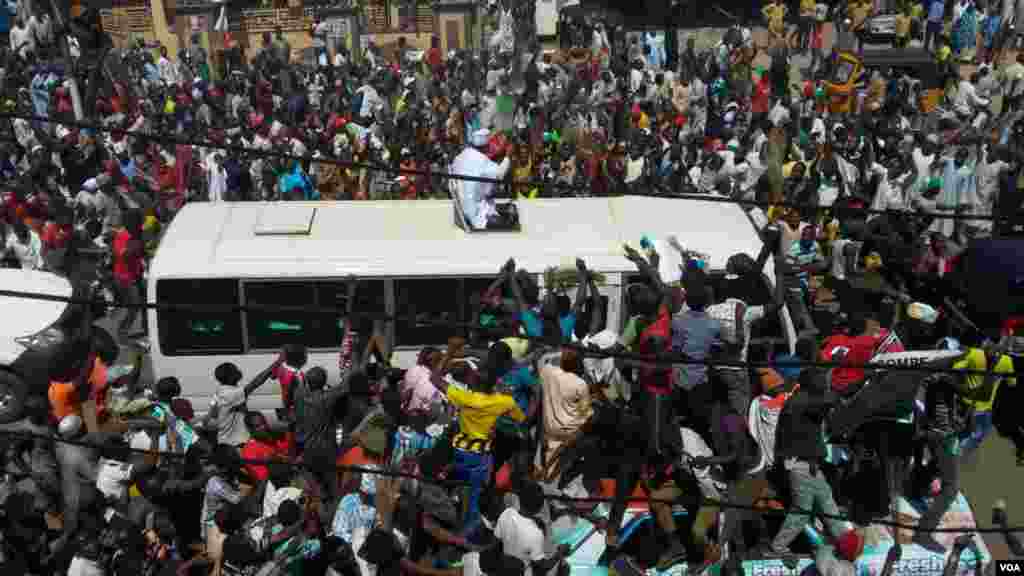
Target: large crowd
(864,218)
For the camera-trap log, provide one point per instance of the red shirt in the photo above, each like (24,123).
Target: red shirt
(260,450)
(55,236)
(859,350)
(434,57)
(127,259)
(654,378)
(760,102)
(286,377)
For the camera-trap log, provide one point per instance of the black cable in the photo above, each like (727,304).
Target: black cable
(171,138)
(710,502)
(659,360)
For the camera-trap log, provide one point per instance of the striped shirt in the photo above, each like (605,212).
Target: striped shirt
(736,320)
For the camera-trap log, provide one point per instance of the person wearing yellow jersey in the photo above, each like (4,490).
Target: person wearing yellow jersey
(979,390)
(775,13)
(479,409)
(859,12)
(903,20)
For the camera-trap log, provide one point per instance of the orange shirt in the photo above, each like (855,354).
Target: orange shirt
(98,386)
(64,400)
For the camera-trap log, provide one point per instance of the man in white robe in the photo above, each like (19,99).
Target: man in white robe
(478,197)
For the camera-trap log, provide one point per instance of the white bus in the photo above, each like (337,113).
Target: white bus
(406,254)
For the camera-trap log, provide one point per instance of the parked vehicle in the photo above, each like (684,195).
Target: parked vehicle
(40,337)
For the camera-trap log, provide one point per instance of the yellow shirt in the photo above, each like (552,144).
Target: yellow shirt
(518,346)
(478,412)
(979,396)
(776,16)
(808,8)
(859,13)
(902,26)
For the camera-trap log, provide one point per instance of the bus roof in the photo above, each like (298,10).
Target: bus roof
(420,238)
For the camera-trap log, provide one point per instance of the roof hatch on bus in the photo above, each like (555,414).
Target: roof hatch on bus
(285,220)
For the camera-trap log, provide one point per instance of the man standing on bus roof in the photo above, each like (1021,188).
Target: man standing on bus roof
(478,197)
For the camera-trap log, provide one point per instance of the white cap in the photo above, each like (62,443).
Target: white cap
(368,483)
(481,137)
(70,426)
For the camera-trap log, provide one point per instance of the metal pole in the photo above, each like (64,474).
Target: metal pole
(76,97)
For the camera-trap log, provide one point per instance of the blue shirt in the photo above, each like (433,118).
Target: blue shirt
(531,324)
(568,325)
(694,334)
(351,515)
(519,382)
(534,326)
(936,10)
(297,179)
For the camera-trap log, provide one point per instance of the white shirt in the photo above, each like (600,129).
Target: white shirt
(695,446)
(520,537)
(168,71)
(636,79)
(82,567)
(272,500)
(30,255)
(967,98)
(371,100)
(22,40)
(477,197)
(218,178)
(888,197)
(231,428)
(90,197)
(471,564)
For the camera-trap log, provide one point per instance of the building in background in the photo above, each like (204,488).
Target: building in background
(352,24)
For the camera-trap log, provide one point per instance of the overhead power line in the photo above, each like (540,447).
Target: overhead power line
(390,473)
(571,188)
(658,360)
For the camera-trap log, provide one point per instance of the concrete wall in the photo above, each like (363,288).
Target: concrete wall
(163,31)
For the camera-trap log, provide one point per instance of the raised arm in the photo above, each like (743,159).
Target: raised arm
(649,269)
(265,375)
(597,319)
(581,289)
(517,290)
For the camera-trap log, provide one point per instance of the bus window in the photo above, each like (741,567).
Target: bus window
(371,298)
(472,287)
(434,303)
(271,329)
(186,332)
